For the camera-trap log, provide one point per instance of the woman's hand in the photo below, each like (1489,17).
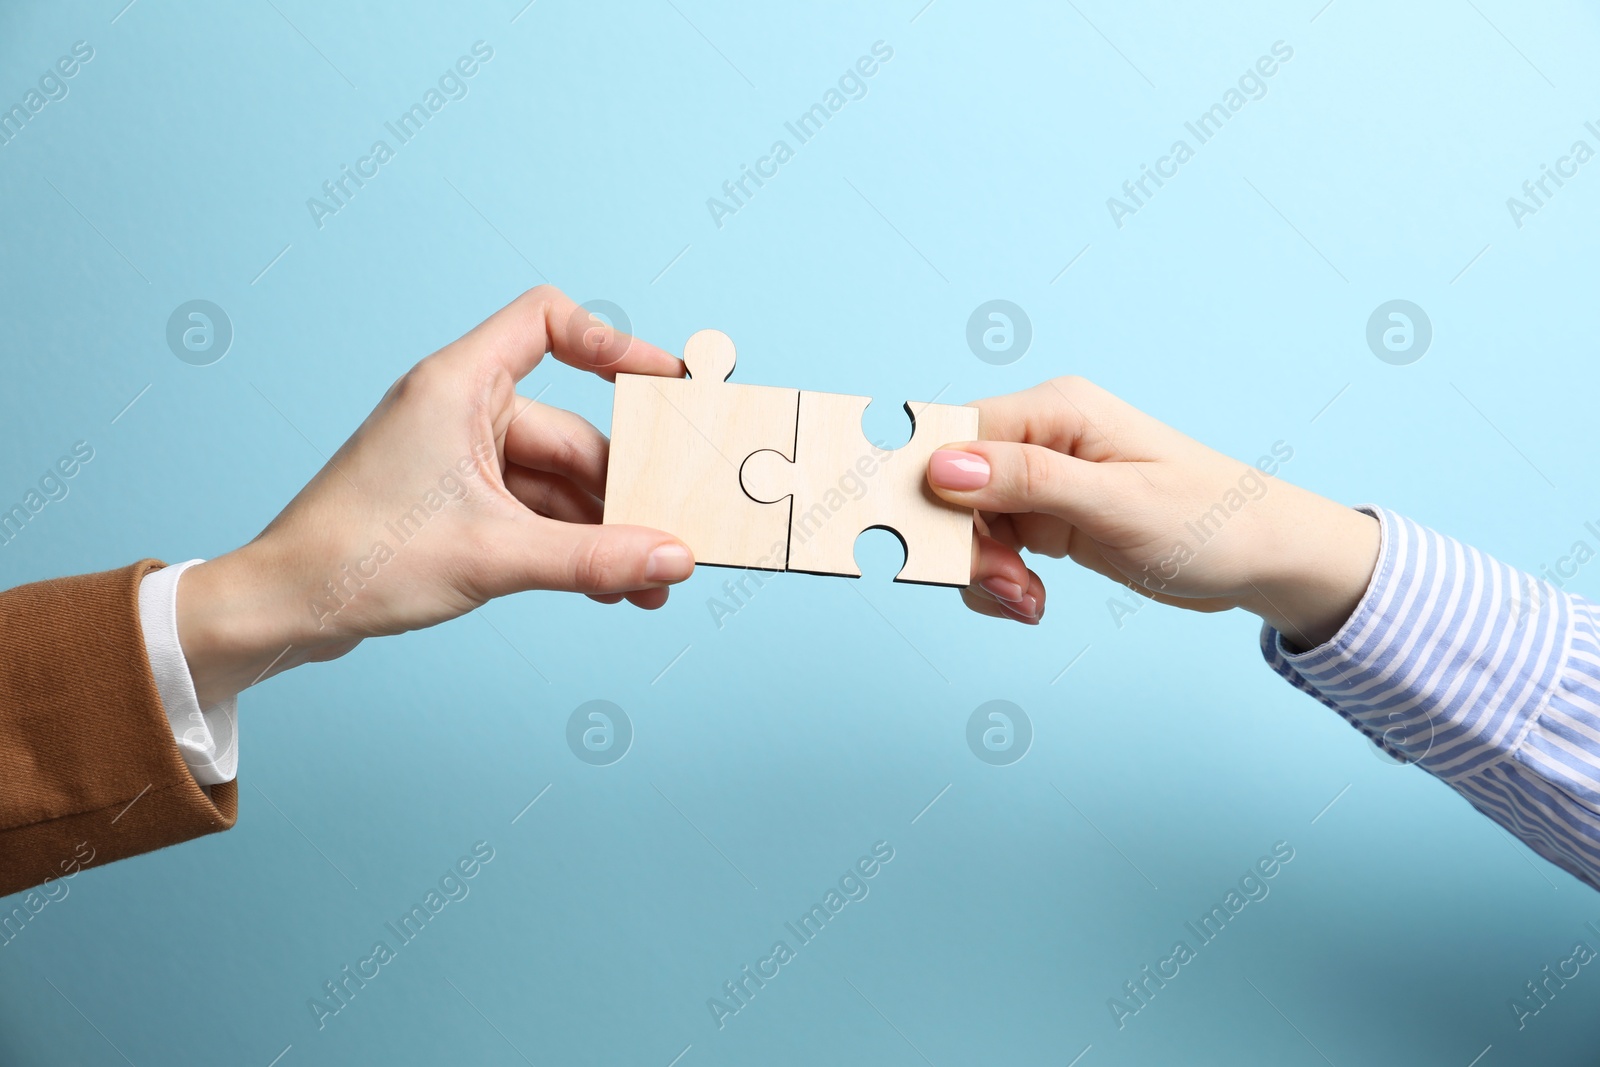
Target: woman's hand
(455,490)
(1069,470)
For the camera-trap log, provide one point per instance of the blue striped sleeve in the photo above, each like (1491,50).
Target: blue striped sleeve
(1484,676)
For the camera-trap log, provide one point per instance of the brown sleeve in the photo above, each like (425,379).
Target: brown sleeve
(89,769)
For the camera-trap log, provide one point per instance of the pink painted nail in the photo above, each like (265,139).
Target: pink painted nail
(961,471)
(1027,608)
(1004,588)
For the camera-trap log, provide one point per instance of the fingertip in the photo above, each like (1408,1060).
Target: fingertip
(957,471)
(984,603)
(1003,589)
(648,599)
(1016,615)
(622,353)
(657,361)
(669,563)
(596,560)
(998,568)
(1022,599)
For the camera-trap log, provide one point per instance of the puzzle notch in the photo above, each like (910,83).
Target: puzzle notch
(676,450)
(840,484)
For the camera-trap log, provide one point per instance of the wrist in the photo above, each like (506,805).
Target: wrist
(1312,576)
(236,625)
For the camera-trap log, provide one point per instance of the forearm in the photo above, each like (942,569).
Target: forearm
(1483,675)
(1314,561)
(89,769)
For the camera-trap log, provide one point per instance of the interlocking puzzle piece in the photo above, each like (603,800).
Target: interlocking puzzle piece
(676,449)
(841,484)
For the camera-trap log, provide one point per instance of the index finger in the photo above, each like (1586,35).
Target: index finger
(545,320)
(1075,417)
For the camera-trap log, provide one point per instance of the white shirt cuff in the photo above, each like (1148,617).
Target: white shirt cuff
(207,737)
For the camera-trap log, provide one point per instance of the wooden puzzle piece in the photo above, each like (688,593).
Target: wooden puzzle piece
(840,484)
(676,449)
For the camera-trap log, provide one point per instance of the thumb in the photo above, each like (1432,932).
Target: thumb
(541,553)
(1001,476)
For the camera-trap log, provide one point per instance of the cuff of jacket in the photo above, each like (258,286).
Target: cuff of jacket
(89,769)
(1448,658)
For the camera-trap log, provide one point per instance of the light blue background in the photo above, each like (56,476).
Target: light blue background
(824,716)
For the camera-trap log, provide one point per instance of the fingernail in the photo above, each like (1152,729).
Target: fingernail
(1004,588)
(1026,609)
(949,469)
(668,563)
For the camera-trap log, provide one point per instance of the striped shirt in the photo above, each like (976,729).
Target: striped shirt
(1485,676)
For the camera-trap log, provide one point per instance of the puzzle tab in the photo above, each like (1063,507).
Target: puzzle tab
(676,449)
(780,479)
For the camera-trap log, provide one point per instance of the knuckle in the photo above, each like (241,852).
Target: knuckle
(419,379)
(1039,474)
(596,337)
(539,303)
(1074,386)
(564,452)
(568,454)
(598,564)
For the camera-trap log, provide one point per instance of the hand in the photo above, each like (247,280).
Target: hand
(455,490)
(1069,470)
